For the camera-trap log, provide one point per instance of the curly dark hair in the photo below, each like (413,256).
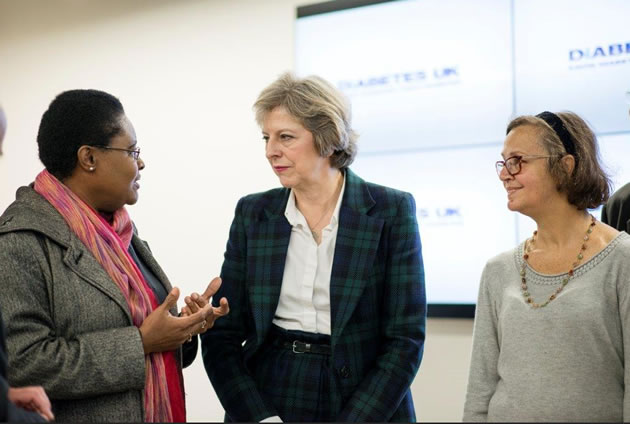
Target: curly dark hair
(76,118)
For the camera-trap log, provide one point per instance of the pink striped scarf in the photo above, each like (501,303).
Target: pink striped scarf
(109,244)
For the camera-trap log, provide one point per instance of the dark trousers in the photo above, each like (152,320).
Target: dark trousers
(298,385)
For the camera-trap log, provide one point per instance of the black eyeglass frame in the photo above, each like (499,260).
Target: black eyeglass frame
(500,164)
(135,153)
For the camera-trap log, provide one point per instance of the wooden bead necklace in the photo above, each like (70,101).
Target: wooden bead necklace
(529,245)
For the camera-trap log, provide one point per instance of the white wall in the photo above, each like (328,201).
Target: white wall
(187,72)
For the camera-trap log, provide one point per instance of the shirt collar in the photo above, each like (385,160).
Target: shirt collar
(295,217)
(292,213)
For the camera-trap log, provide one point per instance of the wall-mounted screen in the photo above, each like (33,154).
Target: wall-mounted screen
(433,84)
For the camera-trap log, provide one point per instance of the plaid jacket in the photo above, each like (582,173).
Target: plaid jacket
(377,297)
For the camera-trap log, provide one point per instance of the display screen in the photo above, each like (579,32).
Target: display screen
(433,85)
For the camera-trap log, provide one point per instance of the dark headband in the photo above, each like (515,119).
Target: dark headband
(561,130)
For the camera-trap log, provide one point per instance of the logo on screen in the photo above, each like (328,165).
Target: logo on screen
(602,55)
(445,75)
(444,215)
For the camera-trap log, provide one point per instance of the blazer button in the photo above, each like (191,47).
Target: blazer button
(344,372)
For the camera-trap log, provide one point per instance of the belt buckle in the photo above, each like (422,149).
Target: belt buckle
(306,347)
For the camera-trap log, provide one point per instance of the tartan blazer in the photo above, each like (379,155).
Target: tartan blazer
(377,297)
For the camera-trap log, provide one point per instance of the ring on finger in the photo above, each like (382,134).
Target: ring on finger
(189,337)
(203,324)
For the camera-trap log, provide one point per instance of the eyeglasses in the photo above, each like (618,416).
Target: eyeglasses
(513,164)
(135,153)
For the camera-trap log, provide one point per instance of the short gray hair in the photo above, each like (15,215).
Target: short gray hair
(320,108)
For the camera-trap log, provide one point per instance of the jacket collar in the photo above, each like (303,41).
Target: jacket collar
(356,196)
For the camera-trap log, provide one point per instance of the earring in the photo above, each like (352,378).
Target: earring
(91,168)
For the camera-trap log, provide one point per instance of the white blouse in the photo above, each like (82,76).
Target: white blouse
(305,294)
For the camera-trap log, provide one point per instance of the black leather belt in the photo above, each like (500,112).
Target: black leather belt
(297,346)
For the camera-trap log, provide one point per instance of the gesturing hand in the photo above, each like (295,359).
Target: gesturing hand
(32,398)
(162,331)
(197,302)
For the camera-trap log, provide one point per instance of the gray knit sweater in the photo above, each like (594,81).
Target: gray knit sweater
(564,362)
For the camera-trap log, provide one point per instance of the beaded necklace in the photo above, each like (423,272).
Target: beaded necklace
(528,248)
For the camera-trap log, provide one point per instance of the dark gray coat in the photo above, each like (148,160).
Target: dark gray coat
(68,325)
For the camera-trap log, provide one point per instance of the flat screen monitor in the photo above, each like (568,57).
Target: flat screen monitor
(433,85)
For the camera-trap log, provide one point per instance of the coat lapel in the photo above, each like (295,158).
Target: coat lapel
(358,238)
(83,263)
(267,246)
(144,253)
(32,212)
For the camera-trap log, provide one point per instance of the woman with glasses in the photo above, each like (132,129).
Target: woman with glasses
(552,327)
(324,276)
(87,307)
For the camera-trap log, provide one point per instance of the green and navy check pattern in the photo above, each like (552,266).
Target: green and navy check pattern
(297,385)
(377,295)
